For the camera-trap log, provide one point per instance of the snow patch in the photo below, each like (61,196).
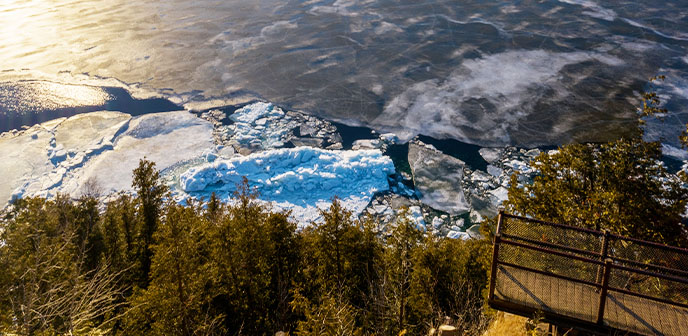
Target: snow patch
(302,179)
(61,157)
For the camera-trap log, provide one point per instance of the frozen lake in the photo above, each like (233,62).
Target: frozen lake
(484,72)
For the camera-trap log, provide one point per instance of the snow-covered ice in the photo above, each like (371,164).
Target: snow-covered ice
(367,144)
(415,214)
(264,126)
(302,179)
(255,125)
(453,234)
(60,156)
(494,171)
(490,154)
(499,195)
(674,152)
(23,156)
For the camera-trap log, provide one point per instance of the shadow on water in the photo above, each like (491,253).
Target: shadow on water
(28,103)
(673,165)
(463,151)
(350,134)
(399,153)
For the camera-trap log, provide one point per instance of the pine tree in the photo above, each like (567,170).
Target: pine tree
(241,252)
(89,233)
(341,256)
(447,280)
(621,186)
(284,267)
(48,286)
(177,300)
(150,192)
(405,238)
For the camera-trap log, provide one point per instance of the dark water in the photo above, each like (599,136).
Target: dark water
(33,102)
(483,72)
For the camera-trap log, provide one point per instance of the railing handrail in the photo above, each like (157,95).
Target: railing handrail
(653,244)
(546,250)
(554,245)
(600,259)
(652,274)
(638,263)
(575,228)
(564,277)
(593,261)
(601,234)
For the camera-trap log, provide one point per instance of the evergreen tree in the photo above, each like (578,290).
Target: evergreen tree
(331,316)
(47,285)
(89,233)
(227,269)
(214,208)
(405,238)
(241,252)
(284,265)
(340,256)
(150,192)
(448,278)
(120,239)
(177,300)
(621,186)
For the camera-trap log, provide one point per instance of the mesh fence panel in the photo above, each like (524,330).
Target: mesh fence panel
(655,258)
(662,260)
(548,262)
(649,285)
(588,244)
(548,233)
(554,268)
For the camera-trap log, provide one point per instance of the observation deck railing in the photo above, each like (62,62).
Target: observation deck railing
(587,279)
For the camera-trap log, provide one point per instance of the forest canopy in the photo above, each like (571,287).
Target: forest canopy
(142,264)
(146,265)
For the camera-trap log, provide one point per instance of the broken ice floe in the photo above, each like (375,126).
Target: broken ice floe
(60,156)
(303,180)
(263,126)
(438,178)
(197,156)
(63,155)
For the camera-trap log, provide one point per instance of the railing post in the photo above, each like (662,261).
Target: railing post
(603,292)
(603,254)
(495,257)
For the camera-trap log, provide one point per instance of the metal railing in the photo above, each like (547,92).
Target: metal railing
(605,261)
